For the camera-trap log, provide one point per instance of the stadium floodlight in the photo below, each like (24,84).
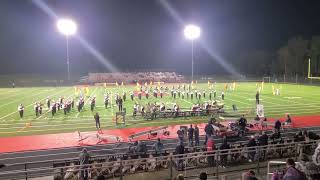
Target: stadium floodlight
(192,32)
(68,28)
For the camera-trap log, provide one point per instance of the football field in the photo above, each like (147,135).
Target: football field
(297,100)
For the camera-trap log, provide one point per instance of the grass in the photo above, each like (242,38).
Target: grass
(298,100)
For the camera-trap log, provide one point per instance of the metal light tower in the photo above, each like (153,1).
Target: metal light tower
(192,32)
(68,28)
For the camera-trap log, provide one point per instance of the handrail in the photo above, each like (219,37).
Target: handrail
(98,150)
(270,146)
(144,161)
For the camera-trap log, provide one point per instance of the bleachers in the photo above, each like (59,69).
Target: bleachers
(123,164)
(168,77)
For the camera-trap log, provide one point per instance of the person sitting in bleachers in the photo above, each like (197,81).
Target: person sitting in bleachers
(151,163)
(252,148)
(298,137)
(310,135)
(311,170)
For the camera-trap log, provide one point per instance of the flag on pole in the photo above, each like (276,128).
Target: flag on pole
(87,91)
(76,91)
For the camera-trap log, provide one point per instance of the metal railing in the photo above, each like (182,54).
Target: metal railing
(119,167)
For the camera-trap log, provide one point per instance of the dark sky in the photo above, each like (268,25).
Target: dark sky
(142,34)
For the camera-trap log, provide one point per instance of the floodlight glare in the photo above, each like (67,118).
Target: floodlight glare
(192,32)
(67,27)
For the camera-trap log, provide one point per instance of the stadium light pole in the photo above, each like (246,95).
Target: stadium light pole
(192,32)
(67,27)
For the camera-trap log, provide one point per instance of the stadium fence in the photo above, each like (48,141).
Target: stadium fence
(171,164)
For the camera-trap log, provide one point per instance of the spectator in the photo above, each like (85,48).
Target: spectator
(263,141)
(310,135)
(142,147)
(158,146)
(57,177)
(100,177)
(243,123)
(277,125)
(250,175)
(133,147)
(180,177)
(311,170)
(196,135)
(288,120)
(84,160)
(210,148)
(251,148)
(208,129)
(298,137)
(224,156)
(180,150)
(257,118)
(190,135)
(203,176)
(275,135)
(180,135)
(292,173)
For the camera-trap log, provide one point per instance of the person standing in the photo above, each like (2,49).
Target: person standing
(120,104)
(93,103)
(97,119)
(190,135)
(208,130)
(214,94)
(222,95)
(21,110)
(196,135)
(48,103)
(257,98)
(84,161)
(132,96)
(106,101)
(224,157)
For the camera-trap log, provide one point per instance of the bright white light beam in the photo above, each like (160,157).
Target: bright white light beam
(67,27)
(192,32)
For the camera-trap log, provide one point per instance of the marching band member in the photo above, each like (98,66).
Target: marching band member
(147,94)
(124,96)
(53,109)
(106,101)
(48,102)
(93,103)
(21,110)
(35,107)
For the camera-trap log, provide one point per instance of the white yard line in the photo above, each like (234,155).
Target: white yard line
(32,104)
(20,99)
(13,94)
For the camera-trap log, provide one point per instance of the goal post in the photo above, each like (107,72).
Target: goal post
(266,79)
(309,73)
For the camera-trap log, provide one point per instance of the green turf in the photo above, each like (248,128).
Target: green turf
(294,99)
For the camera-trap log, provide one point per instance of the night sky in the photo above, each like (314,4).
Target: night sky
(142,34)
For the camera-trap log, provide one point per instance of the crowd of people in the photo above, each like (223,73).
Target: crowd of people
(212,152)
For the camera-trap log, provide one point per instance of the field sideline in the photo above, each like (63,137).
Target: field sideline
(298,100)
